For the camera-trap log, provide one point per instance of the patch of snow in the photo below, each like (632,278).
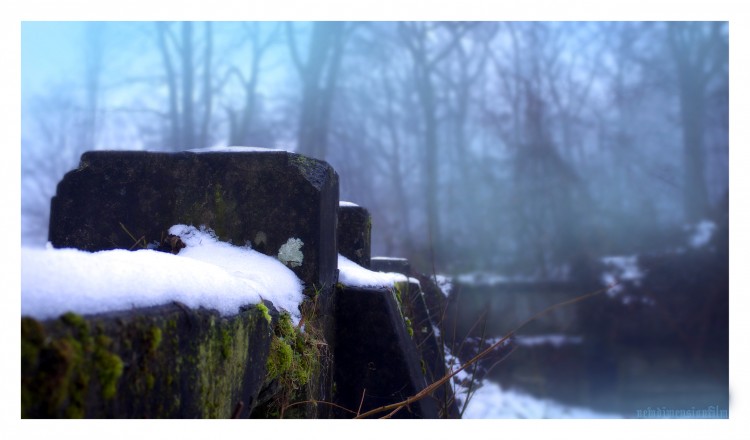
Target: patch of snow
(349,204)
(463,379)
(556,340)
(207,273)
(220,149)
(353,275)
(435,330)
(445,283)
(491,279)
(491,401)
(619,269)
(701,233)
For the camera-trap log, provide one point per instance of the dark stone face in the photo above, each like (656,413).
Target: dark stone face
(353,234)
(375,355)
(129,199)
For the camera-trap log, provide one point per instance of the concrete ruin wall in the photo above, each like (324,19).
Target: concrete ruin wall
(174,362)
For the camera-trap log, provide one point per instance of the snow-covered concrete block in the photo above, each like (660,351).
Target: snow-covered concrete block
(280,203)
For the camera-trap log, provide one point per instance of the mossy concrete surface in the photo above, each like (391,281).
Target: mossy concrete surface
(164,362)
(298,366)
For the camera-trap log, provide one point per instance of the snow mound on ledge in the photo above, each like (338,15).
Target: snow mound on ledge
(353,275)
(207,273)
(220,149)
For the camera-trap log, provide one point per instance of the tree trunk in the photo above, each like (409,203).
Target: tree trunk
(319,74)
(207,92)
(174,119)
(188,138)
(689,48)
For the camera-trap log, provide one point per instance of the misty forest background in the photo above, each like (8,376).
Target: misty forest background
(508,147)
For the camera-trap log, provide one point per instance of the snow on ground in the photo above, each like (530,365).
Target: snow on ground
(556,340)
(349,204)
(491,401)
(353,275)
(491,279)
(207,273)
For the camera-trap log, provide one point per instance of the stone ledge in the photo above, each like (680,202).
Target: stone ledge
(128,199)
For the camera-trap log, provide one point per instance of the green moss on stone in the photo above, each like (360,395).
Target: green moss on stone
(109,368)
(57,370)
(68,370)
(77,322)
(279,358)
(154,339)
(286,327)
(226,343)
(221,362)
(409,328)
(294,361)
(264,310)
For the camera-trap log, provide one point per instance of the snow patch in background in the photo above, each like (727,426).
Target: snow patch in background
(620,269)
(701,233)
(491,401)
(445,283)
(491,279)
(350,204)
(353,275)
(556,340)
(207,273)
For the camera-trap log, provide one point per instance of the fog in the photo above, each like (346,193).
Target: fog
(495,146)
(524,149)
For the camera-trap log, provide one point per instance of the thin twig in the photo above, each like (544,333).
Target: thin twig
(469,389)
(361,401)
(238,410)
(132,237)
(320,401)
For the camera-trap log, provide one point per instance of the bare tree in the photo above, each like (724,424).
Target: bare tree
(547,195)
(417,36)
(319,73)
(699,51)
(241,120)
(185,131)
